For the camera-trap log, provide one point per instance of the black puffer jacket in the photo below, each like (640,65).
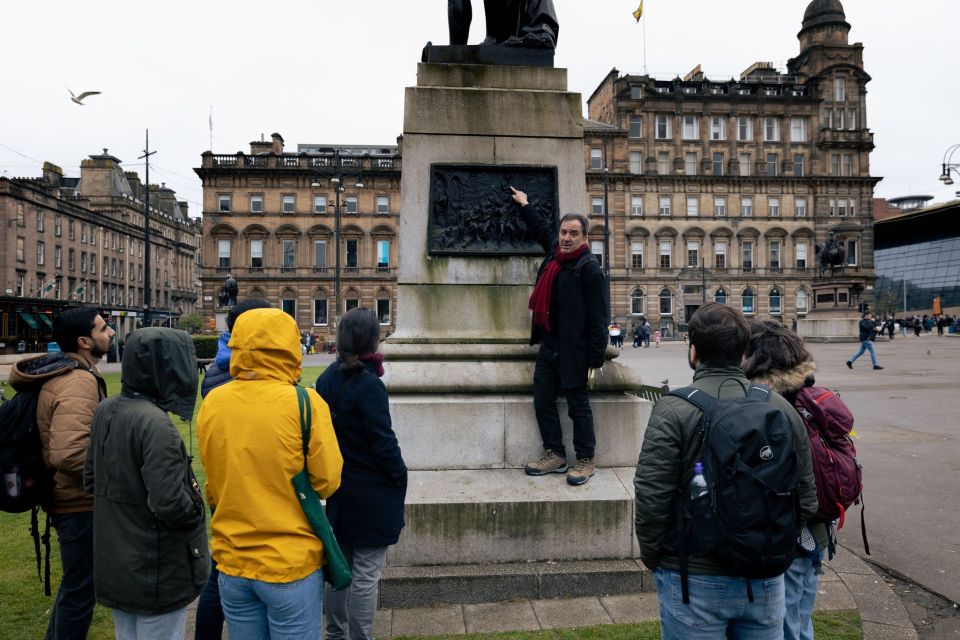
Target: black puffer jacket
(867,329)
(149,538)
(579,310)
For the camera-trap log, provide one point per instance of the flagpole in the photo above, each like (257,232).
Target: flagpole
(644,46)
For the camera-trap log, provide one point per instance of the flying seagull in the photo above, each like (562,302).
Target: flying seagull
(79,98)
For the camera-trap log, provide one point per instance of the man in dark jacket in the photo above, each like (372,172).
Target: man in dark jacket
(868,329)
(149,538)
(570,317)
(718,339)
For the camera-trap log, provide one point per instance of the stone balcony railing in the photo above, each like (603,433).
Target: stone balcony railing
(321,164)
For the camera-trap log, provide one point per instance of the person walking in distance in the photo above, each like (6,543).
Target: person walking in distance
(72,389)
(868,330)
(570,319)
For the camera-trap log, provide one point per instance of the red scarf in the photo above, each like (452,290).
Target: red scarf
(375,358)
(540,298)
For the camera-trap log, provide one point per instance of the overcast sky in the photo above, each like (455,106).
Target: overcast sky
(335,72)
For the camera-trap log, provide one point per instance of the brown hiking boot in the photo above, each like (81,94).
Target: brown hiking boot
(549,463)
(581,472)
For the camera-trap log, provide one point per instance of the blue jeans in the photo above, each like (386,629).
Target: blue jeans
(277,610)
(209,621)
(800,584)
(719,608)
(866,345)
(166,626)
(72,609)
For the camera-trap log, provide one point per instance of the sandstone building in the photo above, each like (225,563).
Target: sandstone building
(80,241)
(270,219)
(730,184)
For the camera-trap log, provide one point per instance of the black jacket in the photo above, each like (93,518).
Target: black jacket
(867,329)
(213,378)
(367,510)
(150,551)
(579,309)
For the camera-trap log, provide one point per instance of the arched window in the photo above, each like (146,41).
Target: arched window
(749,301)
(803,301)
(776,302)
(637,302)
(666,302)
(721,295)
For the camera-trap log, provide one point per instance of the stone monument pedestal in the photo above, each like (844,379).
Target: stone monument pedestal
(834,317)
(459,369)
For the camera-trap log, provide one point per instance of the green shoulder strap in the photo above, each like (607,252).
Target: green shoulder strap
(306,419)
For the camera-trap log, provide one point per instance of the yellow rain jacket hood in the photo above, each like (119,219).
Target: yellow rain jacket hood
(251,445)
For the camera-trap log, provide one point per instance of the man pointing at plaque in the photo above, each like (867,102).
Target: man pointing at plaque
(570,313)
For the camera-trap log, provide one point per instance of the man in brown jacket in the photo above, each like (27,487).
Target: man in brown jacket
(72,389)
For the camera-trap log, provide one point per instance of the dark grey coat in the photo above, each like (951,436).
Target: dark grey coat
(149,538)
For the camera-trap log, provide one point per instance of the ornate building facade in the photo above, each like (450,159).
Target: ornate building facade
(275,221)
(721,190)
(80,241)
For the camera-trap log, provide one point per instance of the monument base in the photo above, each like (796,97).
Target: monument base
(492,54)
(834,317)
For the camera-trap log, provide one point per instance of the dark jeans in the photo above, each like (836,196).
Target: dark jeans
(546,388)
(209,624)
(72,609)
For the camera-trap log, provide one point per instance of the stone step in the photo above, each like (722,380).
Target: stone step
(502,516)
(405,587)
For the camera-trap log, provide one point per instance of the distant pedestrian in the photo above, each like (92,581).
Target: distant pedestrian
(647,333)
(890,326)
(868,331)
(941,323)
(917,325)
(637,335)
(656,338)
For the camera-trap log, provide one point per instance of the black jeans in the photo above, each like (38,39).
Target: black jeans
(72,609)
(546,388)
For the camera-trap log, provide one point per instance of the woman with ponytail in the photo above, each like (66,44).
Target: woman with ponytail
(367,512)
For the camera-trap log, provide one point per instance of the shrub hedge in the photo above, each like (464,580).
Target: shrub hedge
(206,346)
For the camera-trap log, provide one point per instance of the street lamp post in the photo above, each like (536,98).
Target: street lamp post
(949,166)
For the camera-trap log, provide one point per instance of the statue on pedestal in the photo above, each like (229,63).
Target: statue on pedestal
(832,255)
(227,296)
(530,24)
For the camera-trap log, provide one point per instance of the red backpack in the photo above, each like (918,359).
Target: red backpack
(838,473)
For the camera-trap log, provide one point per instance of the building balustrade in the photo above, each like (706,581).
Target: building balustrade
(267,272)
(315,163)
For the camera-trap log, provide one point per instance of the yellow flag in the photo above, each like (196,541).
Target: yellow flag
(639,12)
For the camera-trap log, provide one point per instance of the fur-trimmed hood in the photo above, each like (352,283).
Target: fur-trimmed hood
(790,380)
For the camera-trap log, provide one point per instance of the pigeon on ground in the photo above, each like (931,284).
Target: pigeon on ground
(79,98)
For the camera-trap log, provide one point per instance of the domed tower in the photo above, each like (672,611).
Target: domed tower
(824,22)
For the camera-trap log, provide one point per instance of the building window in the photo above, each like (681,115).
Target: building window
(798,129)
(383,204)
(83,263)
(744,129)
(352,206)
(596,205)
(57,231)
(720,296)
(838,118)
(776,302)
(693,206)
(383,310)
(771,130)
(93,265)
(352,254)
(773,207)
(666,250)
(852,119)
(798,169)
(801,250)
(40,253)
(352,303)
(223,203)
(71,232)
(256,254)
(720,206)
(320,312)
(744,162)
(666,302)
(693,253)
(848,164)
(720,254)
(665,205)
(803,301)
(256,204)
(636,127)
(747,255)
(223,253)
(289,306)
(746,207)
(718,128)
(775,254)
(772,164)
(835,164)
(637,303)
(319,254)
(749,305)
(636,92)
(842,207)
(717,168)
(664,127)
(636,205)
(71,259)
(800,205)
(663,163)
(839,90)
(39,220)
(383,255)
(596,158)
(289,254)
(636,255)
(691,128)
(288,203)
(851,253)
(596,247)
(57,255)
(636,162)
(690,163)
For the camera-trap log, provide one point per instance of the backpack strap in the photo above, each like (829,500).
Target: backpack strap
(697,397)
(759,392)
